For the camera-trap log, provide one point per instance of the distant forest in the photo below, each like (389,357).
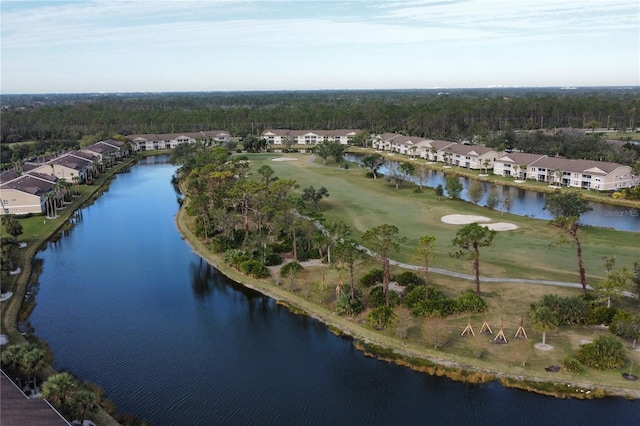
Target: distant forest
(486,116)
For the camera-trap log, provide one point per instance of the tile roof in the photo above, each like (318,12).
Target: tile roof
(17,409)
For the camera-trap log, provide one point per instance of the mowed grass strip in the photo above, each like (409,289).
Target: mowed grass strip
(530,252)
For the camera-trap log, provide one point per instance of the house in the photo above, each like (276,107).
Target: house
(584,174)
(26,193)
(471,156)
(308,137)
(148,142)
(515,164)
(69,166)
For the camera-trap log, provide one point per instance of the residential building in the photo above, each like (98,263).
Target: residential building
(148,142)
(308,137)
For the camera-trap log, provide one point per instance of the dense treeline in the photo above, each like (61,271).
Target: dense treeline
(451,115)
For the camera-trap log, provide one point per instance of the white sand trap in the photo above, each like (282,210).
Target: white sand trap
(501,226)
(284,159)
(5,296)
(519,181)
(463,219)
(3,339)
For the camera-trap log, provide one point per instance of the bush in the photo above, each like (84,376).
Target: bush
(381,317)
(606,352)
(469,302)
(348,305)
(602,315)
(272,259)
(254,268)
(569,310)
(413,296)
(408,278)
(377,298)
(572,365)
(236,257)
(221,243)
(372,278)
(625,325)
(291,268)
(437,304)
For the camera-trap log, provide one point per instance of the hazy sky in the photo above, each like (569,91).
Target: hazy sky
(150,45)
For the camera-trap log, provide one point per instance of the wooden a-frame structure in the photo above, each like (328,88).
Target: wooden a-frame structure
(521,334)
(468,330)
(485,328)
(500,337)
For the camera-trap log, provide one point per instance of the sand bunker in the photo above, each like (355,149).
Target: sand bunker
(284,159)
(463,219)
(3,339)
(501,226)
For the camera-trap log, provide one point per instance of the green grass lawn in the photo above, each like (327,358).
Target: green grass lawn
(528,252)
(532,251)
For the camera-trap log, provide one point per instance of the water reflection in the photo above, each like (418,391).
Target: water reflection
(526,203)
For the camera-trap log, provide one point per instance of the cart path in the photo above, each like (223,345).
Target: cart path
(469,276)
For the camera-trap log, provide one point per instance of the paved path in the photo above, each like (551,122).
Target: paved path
(469,276)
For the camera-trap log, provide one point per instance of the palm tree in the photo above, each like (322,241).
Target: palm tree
(470,238)
(544,319)
(83,402)
(58,389)
(566,208)
(33,362)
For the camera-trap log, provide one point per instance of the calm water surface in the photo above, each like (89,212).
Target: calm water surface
(123,302)
(529,203)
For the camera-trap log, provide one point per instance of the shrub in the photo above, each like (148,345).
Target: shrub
(602,315)
(606,352)
(221,243)
(235,257)
(377,298)
(348,305)
(371,278)
(572,365)
(625,325)
(413,296)
(254,268)
(435,307)
(569,310)
(381,317)
(272,259)
(469,302)
(409,278)
(291,268)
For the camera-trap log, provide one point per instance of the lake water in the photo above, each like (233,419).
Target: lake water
(529,203)
(124,302)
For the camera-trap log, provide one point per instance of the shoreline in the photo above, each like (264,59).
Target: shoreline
(528,185)
(387,349)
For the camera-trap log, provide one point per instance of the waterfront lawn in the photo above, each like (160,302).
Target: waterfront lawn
(531,251)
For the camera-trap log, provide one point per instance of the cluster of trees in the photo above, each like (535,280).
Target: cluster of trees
(27,363)
(490,115)
(606,351)
(566,143)
(255,220)
(9,243)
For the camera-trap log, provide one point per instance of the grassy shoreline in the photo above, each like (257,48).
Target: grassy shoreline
(391,349)
(529,185)
(36,235)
